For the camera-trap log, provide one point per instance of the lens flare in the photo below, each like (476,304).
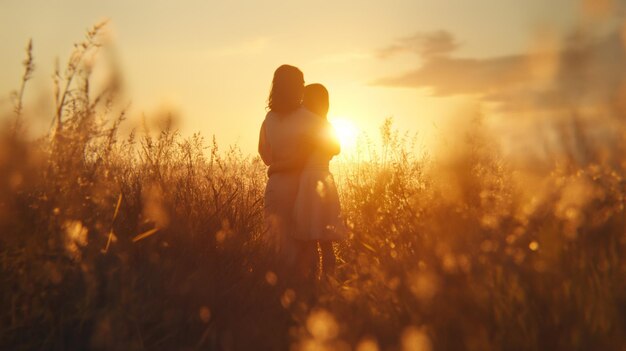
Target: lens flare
(346,131)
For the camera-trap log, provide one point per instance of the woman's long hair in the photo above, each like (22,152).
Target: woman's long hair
(287,89)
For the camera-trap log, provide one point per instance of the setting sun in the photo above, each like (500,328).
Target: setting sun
(346,132)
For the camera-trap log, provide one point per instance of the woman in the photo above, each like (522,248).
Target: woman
(285,141)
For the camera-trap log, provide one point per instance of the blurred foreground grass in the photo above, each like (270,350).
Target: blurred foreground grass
(153,242)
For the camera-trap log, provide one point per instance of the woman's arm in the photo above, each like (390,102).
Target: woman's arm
(322,139)
(296,160)
(295,163)
(265,150)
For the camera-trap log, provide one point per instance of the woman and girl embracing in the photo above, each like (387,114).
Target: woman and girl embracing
(302,207)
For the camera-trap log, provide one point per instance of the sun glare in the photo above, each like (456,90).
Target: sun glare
(346,132)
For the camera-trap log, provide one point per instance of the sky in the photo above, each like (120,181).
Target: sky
(211,62)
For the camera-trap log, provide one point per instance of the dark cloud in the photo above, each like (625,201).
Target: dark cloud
(426,44)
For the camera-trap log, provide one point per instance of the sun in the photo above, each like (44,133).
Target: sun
(346,131)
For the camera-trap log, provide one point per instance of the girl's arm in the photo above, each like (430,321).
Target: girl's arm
(334,147)
(326,140)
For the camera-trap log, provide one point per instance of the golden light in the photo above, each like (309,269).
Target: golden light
(346,131)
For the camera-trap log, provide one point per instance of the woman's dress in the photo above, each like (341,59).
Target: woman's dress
(281,140)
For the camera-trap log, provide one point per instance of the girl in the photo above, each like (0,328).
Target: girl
(317,209)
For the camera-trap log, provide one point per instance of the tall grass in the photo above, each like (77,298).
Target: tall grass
(155,241)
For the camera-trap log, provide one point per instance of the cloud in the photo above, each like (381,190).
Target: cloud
(582,68)
(426,44)
(564,96)
(450,76)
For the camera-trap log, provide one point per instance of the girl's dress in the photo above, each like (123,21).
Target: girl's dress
(317,209)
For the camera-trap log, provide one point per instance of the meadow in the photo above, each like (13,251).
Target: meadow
(153,241)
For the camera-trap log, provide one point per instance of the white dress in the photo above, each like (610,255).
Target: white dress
(280,140)
(317,212)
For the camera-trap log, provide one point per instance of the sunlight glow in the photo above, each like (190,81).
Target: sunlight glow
(346,132)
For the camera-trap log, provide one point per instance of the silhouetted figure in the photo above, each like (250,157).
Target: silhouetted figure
(283,146)
(317,209)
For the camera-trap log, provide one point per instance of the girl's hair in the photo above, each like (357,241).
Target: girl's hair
(287,89)
(316,99)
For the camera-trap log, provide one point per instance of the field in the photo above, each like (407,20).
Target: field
(154,242)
